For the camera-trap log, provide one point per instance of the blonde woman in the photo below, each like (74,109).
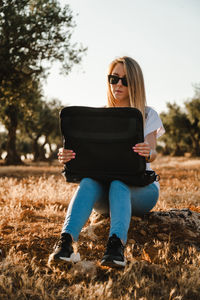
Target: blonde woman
(125,89)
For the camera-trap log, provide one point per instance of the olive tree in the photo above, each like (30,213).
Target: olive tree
(33,34)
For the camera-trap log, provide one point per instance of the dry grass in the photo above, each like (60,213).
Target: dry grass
(33,202)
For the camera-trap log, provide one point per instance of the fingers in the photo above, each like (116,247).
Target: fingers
(142,149)
(65,155)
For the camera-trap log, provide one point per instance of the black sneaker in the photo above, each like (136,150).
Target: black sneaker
(63,250)
(114,255)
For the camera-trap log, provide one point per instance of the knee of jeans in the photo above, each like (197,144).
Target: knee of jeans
(118,183)
(87,180)
(147,205)
(90,184)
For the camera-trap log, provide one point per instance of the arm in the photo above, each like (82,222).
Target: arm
(147,147)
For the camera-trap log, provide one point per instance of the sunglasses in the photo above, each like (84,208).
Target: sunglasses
(114,79)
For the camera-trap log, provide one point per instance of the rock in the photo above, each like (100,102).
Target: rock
(142,232)
(163,236)
(183,217)
(156,231)
(153,226)
(190,233)
(180,226)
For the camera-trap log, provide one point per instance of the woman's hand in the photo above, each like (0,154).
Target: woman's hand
(142,149)
(65,155)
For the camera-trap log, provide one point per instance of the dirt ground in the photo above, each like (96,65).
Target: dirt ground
(163,258)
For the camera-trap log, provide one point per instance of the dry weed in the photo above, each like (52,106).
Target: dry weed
(33,202)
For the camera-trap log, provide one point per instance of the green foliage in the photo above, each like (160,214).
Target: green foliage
(33,34)
(182,128)
(175,123)
(44,124)
(193,113)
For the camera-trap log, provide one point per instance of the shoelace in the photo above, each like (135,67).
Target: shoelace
(62,243)
(114,242)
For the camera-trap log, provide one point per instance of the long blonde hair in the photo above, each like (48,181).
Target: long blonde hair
(136,88)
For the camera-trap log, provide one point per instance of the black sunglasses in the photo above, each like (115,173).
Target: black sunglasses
(114,79)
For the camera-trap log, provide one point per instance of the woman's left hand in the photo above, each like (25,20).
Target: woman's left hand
(142,149)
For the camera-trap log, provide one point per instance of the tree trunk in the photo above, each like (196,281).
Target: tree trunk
(12,157)
(36,150)
(178,151)
(195,147)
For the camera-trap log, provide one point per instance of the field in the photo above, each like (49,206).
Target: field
(161,264)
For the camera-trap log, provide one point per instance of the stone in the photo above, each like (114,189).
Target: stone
(184,217)
(142,232)
(179,226)
(163,236)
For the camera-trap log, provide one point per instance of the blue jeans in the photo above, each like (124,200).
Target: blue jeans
(117,199)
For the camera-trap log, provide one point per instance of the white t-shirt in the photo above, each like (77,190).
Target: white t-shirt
(153,123)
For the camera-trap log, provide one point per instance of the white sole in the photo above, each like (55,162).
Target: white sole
(114,263)
(74,258)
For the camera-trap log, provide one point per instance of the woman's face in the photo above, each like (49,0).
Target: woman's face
(119,91)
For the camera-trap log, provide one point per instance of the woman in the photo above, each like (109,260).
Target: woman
(125,89)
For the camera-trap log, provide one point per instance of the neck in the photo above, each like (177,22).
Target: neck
(122,103)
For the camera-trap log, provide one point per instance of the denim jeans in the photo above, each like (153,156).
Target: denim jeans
(117,199)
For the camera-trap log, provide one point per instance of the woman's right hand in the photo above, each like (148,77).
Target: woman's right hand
(65,155)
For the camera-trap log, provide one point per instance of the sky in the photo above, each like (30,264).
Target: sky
(163,36)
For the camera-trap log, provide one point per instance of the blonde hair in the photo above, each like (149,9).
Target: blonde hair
(136,88)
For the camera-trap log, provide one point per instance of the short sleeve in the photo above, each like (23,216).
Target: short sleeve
(153,123)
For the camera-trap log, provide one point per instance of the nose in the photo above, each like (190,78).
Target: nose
(119,82)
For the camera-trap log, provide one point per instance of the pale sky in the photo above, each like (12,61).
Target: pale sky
(163,36)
